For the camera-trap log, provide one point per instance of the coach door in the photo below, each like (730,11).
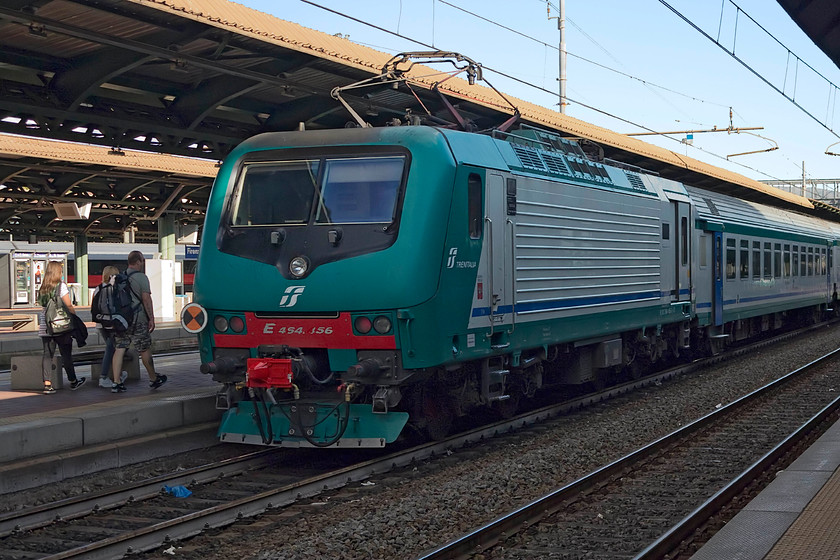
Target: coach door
(717,289)
(683,251)
(498,240)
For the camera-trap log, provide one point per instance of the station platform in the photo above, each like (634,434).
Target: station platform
(45,438)
(796,517)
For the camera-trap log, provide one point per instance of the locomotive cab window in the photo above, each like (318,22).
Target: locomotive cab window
(359,190)
(263,184)
(474,215)
(341,191)
(320,204)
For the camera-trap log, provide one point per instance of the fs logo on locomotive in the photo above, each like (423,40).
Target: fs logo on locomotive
(291,296)
(453,252)
(451,262)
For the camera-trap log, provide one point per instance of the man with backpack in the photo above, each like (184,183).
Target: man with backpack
(139,322)
(102,310)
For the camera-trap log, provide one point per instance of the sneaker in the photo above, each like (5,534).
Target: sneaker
(78,383)
(123,376)
(160,380)
(49,390)
(118,388)
(105,383)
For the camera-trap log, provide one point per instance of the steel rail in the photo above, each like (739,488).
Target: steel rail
(194,523)
(679,532)
(70,508)
(514,522)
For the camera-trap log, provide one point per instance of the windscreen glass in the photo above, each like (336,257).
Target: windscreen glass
(276,193)
(322,191)
(360,190)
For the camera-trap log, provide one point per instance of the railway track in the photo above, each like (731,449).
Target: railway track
(652,503)
(140,517)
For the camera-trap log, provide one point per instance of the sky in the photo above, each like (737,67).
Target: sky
(632,66)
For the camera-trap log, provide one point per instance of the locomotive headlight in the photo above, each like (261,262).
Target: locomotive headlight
(299,266)
(220,323)
(382,324)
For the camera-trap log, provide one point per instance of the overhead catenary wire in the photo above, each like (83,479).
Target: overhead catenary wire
(582,58)
(531,85)
(750,68)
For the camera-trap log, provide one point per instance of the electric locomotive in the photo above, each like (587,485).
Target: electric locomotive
(355,281)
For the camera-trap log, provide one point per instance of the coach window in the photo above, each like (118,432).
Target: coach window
(823,267)
(684,240)
(745,259)
(787,261)
(795,255)
(730,259)
(803,262)
(777,260)
(768,261)
(756,259)
(810,261)
(474,205)
(704,251)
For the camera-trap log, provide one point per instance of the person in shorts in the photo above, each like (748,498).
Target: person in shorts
(140,330)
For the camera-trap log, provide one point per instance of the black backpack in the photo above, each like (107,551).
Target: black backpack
(112,306)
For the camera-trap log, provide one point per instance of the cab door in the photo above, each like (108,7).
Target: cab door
(498,240)
(682,252)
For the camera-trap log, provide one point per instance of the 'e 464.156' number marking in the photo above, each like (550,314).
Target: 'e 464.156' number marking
(271,328)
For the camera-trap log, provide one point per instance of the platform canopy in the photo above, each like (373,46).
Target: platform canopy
(194,78)
(820,20)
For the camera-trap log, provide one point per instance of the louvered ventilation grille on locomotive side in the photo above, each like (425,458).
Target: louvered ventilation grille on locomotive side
(556,164)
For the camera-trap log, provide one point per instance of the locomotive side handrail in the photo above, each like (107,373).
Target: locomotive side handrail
(489,234)
(512,275)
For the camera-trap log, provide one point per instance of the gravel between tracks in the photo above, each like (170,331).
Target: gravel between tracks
(400,516)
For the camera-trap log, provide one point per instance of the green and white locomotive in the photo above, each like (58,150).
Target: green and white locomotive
(353,283)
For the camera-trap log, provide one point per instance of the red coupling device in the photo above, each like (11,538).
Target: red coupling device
(267,373)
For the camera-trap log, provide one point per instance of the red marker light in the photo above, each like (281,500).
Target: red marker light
(362,325)
(237,325)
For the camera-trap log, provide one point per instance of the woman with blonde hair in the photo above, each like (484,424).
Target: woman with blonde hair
(108,274)
(50,286)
